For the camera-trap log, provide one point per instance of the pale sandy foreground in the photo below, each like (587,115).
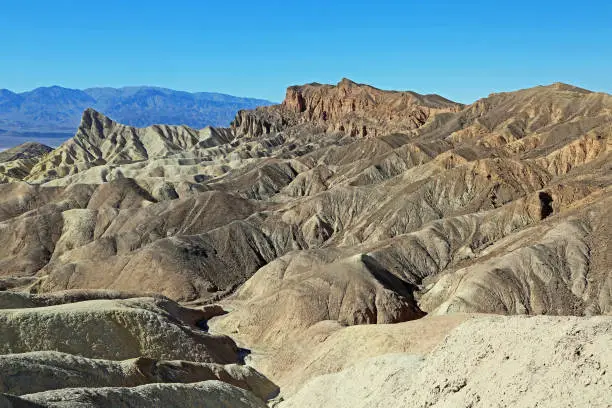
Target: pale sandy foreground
(486,362)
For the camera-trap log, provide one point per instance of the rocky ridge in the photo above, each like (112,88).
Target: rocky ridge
(348,107)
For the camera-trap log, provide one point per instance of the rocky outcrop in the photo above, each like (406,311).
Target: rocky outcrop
(363,110)
(348,107)
(262,121)
(103,344)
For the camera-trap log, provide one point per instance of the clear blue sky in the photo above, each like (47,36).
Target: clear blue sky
(460,49)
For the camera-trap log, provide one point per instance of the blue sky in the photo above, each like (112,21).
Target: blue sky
(460,49)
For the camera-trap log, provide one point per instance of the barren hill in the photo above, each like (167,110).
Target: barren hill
(345,205)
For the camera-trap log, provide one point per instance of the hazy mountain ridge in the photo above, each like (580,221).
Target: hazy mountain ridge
(57,109)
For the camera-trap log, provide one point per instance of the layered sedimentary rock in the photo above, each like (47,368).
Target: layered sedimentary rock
(356,109)
(316,223)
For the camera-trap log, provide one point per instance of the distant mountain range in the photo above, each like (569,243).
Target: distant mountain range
(52,114)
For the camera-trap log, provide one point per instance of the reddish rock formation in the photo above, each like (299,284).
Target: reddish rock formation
(356,109)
